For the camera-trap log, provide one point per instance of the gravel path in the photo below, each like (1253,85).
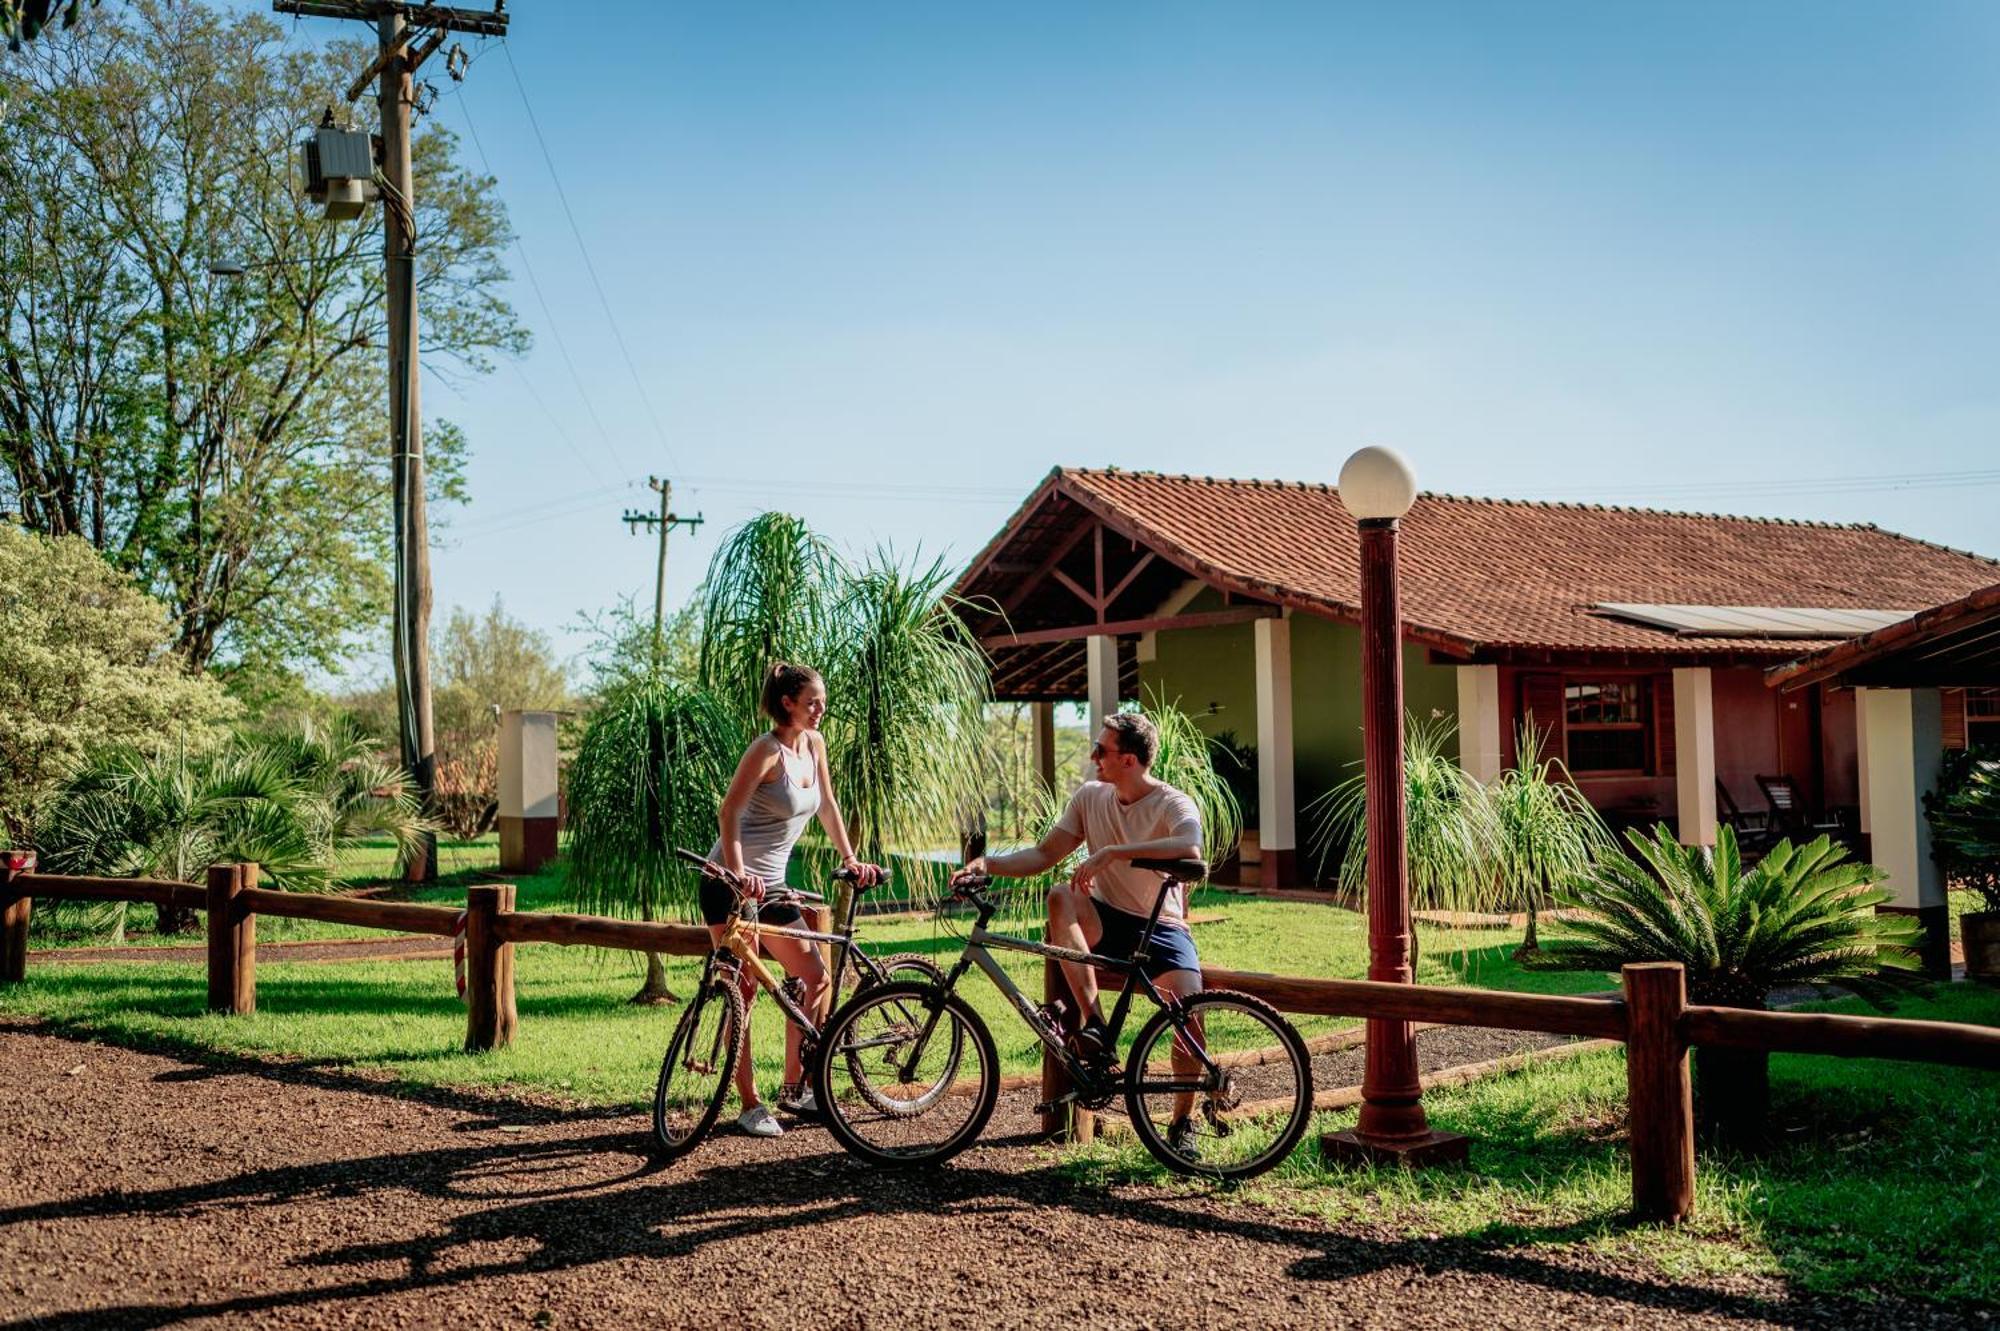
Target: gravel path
(140,1191)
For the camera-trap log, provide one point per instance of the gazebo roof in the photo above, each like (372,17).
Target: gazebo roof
(1108,551)
(1954,645)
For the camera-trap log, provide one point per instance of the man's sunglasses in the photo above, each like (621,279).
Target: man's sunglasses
(1099,751)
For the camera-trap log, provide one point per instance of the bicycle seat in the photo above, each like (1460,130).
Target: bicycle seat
(1181,871)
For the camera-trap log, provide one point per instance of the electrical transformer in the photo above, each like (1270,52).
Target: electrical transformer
(339,168)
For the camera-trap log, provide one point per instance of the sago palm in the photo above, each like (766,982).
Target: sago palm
(647,778)
(1800,915)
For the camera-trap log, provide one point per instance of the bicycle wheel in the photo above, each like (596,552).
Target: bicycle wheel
(694,1076)
(901,966)
(883,1021)
(916,1045)
(1246,1107)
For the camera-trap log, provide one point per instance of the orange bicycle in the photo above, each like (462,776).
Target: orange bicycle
(710,1037)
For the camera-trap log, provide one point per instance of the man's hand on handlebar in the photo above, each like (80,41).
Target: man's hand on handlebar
(974,872)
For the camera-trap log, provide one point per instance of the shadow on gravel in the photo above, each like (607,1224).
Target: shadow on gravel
(622,1207)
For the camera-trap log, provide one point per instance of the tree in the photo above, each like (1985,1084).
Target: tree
(287,801)
(23,20)
(218,438)
(1546,834)
(621,650)
(85,661)
(1803,915)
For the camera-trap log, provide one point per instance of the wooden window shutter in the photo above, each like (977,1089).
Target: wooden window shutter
(1953,701)
(1542,707)
(1663,725)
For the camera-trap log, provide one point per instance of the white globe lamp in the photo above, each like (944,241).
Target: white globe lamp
(1377,485)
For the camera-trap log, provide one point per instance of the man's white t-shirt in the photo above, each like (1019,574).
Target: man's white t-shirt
(1095,814)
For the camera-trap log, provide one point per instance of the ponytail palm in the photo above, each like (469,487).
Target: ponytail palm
(1545,832)
(648,776)
(1186,761)
(769,596)
(906,718)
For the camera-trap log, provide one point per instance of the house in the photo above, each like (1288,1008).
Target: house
(1635,641)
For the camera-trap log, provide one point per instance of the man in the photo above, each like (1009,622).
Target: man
(1125,814)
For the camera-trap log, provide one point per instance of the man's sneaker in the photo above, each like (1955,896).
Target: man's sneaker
(1182,1139)
(759,1122)
(1092,1042)
(798,1100)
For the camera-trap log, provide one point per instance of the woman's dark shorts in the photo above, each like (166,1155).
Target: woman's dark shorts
(1172,948)
(718,903)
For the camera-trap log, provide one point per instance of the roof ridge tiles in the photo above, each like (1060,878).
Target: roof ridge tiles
(1570,505)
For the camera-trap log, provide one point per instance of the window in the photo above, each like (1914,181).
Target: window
(1608,723)
(1982,719)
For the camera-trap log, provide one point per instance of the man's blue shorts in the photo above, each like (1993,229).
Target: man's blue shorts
(1172,948)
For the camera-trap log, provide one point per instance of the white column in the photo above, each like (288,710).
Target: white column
(527,776)
(1043,716)
(1694,755)
(1479,722)
(1905,729)
(1101,656)
(1861,753)
(1277,827)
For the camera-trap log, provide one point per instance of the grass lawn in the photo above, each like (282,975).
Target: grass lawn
(1880,1180)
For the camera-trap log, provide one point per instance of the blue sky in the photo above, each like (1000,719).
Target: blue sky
(885,265)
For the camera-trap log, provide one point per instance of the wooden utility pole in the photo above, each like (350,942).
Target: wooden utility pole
(664,523)
(394,67)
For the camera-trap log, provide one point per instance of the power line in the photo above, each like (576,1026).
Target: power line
(589,267)
(548,315)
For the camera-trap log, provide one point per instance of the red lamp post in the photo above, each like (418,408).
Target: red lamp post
(1377,487)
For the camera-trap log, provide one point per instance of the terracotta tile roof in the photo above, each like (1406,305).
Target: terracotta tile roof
(1492,575)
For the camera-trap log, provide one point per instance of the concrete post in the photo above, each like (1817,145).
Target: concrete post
(1101,661)
(528,806)
(1694,755)
(1905,729)
(1277,821)
(1479,722)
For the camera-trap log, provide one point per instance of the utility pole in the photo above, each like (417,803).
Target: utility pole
(394,68)
(664,523)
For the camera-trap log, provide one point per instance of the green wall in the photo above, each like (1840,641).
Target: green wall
(1217,666)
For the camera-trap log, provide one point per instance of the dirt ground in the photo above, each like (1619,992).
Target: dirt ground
(138,1191)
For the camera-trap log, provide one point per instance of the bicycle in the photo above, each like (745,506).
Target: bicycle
(1228,1076)
(709,1038)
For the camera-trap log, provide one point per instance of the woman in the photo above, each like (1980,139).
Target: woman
(781,782)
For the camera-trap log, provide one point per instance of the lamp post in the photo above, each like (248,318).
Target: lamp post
(1377,487)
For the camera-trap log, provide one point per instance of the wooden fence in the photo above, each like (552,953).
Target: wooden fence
(1652,1016)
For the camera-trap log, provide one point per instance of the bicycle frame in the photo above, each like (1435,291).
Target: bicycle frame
(976,953)
(738,950)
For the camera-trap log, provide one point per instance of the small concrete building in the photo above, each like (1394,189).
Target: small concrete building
(1636,640)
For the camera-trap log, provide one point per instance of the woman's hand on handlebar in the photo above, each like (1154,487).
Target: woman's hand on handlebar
(865,875)
(750,886)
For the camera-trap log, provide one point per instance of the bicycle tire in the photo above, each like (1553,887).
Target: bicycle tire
(907,967)
(1283,1066)
(673,1134)
(848,1118)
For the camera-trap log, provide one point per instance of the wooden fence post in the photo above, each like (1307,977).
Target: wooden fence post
(232,940)
(490,1019)
(1659,1091)
(15,910)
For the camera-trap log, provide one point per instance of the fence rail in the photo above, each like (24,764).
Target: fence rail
(1651,1016)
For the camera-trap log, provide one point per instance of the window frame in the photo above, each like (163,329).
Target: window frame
(1647,726)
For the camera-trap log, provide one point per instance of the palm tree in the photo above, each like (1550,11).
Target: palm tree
(768,597)
(1186,761)
(1545,832)
(906,724)
(1803,915)
(1451,839)
(288,802)
(648,776)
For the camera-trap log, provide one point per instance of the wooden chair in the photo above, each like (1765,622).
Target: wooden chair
(1753,830)
(1789,815)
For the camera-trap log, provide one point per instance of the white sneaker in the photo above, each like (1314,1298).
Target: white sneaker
(801,1103)
(760,1122)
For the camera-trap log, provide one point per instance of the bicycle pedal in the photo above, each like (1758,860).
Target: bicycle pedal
(1050,1106)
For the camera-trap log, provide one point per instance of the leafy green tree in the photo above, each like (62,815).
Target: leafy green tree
(621,648)
(85,662)
(218,438)
(1964,813)
(1800,915)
